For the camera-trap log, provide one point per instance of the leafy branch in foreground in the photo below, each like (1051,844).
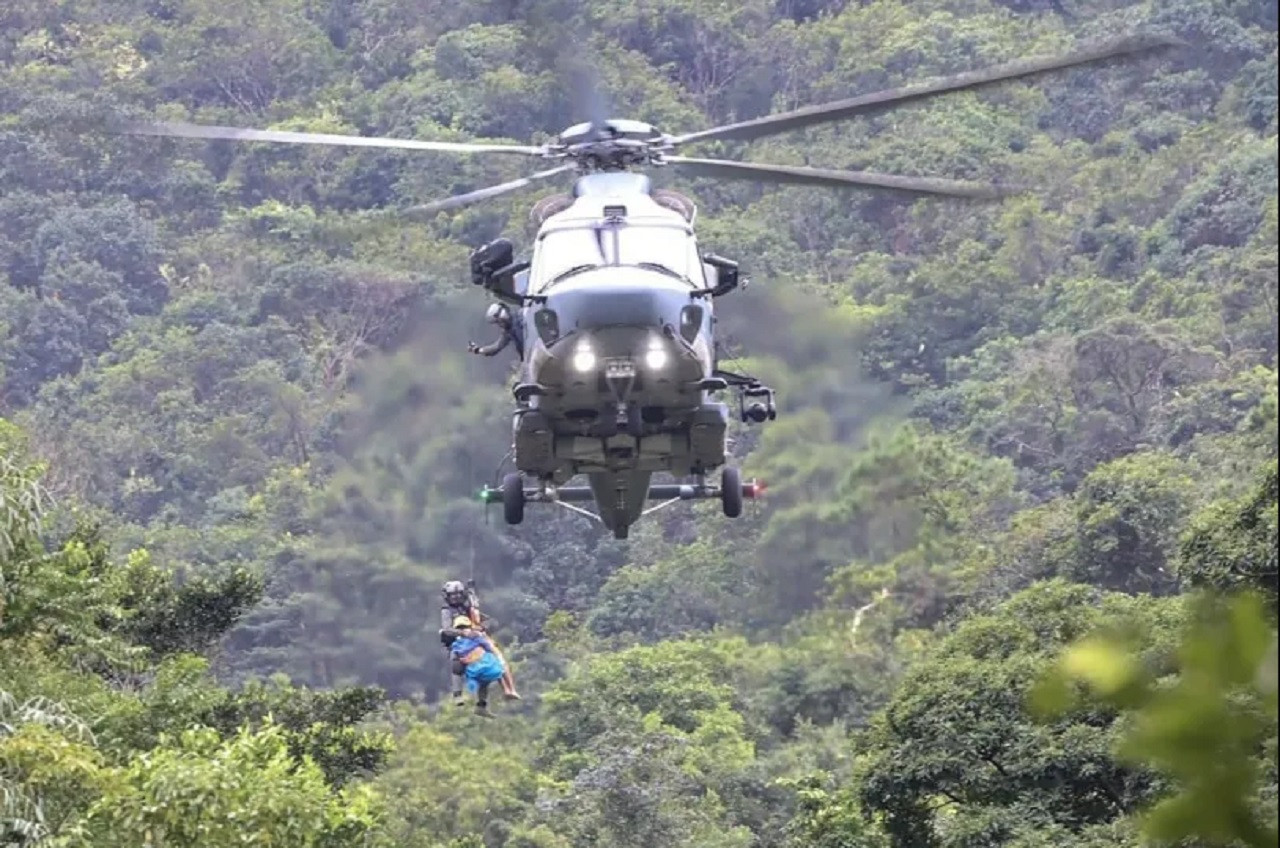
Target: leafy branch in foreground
(42,768)
(1208,729)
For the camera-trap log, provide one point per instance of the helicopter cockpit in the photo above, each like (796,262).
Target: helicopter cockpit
(570,244)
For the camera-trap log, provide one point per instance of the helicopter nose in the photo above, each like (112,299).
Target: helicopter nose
(647,350)
(656,354)
(590,310)
(584,357)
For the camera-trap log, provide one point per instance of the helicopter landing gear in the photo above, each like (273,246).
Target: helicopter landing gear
(513,498)
(731,492)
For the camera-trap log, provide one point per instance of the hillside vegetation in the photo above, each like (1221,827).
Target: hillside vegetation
(1014,582)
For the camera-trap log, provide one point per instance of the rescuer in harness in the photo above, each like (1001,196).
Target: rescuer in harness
(500,316)
(461,601)
(475,657)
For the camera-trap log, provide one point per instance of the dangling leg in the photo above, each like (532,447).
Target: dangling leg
(507,680)
(456,671)
(509,686)
(482,700)
(484,673)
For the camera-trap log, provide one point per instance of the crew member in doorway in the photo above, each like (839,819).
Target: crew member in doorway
(500,316)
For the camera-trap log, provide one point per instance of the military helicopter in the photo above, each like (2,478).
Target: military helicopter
(613,313)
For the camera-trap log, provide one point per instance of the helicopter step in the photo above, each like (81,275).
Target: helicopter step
(515,494)
(535,441)
(707,435)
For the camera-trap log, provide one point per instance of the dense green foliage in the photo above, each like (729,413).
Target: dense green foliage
(1024,465)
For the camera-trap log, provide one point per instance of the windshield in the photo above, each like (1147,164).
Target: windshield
(584,245)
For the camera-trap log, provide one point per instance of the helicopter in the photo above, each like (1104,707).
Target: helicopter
(619,376)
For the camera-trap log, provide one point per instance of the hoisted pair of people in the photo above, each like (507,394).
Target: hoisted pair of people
(475,660)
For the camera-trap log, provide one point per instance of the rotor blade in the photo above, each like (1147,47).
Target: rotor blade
(481,194)
(881,100)
(725,169)
(181,130)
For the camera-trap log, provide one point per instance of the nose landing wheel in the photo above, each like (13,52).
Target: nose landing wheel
(731,492)
(513,498)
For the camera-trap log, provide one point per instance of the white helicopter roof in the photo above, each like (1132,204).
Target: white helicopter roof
(615,228)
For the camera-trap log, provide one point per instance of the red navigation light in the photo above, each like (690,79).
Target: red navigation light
(754,489)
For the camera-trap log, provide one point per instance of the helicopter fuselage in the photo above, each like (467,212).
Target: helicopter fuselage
(619,354)
(619,385)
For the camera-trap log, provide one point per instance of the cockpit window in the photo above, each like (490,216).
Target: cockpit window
(575,245)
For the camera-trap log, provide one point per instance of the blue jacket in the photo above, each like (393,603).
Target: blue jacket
(465,647)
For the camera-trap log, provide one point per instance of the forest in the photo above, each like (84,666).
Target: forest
(1013,583)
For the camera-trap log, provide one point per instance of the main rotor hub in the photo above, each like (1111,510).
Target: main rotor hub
(612,145)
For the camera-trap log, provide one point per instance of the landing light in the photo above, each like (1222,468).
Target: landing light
(584,359)
(656,356)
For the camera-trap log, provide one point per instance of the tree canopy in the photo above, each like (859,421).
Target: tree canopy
(1014,582)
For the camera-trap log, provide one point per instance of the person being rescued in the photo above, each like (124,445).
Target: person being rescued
(460,600)
(474,657)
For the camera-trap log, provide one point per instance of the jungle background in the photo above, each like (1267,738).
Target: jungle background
(1014,579)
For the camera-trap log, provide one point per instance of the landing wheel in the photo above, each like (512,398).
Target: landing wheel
(621,531)
(513,498)
(731,492)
